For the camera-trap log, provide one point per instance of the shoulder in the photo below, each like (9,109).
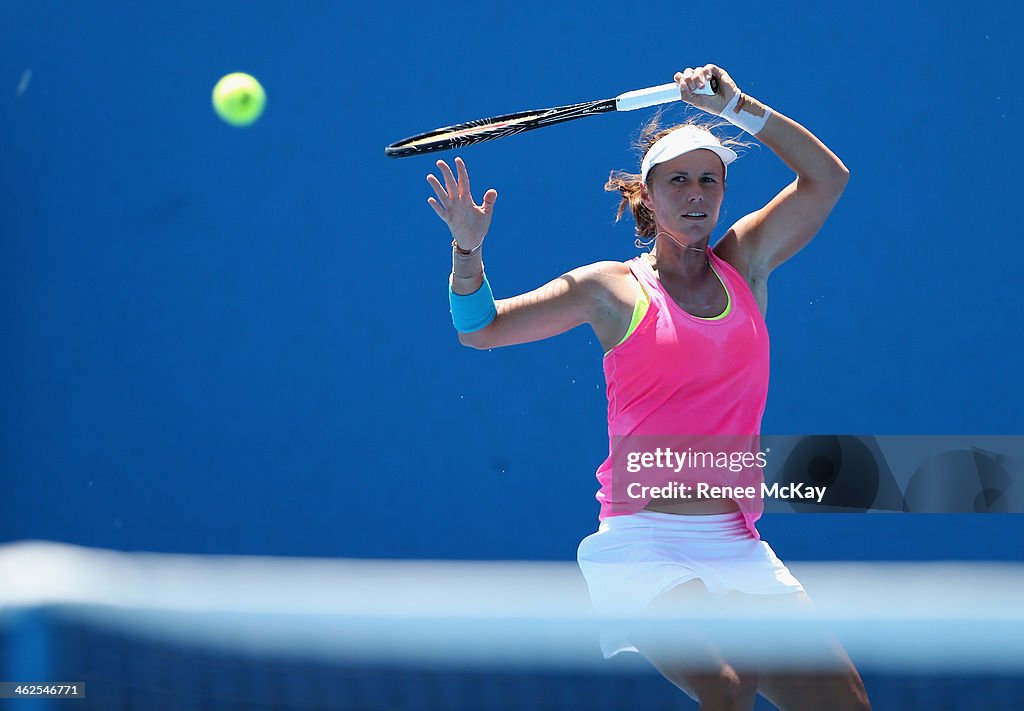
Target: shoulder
(601,277)
(608,269)
(732,248)
(608,287)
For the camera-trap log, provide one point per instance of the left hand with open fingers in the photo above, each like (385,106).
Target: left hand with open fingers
(691,79)
(467,221)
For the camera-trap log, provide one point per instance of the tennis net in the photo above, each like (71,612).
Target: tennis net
(159,631)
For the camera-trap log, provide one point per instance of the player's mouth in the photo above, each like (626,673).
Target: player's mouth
(695,215)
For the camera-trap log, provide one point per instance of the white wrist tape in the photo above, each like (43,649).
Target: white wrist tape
(749,122)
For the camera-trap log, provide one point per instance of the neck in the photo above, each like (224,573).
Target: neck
(674,257)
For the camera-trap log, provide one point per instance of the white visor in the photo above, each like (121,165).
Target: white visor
(683,140)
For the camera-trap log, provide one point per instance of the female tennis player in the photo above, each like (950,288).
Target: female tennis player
(685,353)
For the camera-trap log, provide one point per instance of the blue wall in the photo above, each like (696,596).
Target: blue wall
(238,340)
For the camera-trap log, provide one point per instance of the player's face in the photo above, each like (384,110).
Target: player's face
(691,183)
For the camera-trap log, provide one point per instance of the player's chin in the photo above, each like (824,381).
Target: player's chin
(695,224)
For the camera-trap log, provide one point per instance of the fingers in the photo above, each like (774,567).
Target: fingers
(490,197)
(685,81)
(453,188)
(437,207)
(695,87)
(693,79)
(463,179)
(442,196)
(454,198)
(450,183)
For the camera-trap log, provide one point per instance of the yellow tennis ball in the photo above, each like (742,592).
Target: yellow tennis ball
(239,99)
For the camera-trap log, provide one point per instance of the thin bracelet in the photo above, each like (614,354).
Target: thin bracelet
(471,276)
(465,253)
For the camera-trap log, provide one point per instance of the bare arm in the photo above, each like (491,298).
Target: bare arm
(572,299)
(577,297)
(792,218)
(764,239)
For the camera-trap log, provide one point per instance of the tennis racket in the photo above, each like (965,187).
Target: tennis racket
(465,134)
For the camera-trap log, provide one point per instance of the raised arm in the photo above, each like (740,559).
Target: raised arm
(766,238)
(572,299)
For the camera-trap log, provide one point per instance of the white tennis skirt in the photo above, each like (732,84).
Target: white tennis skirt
(633,559)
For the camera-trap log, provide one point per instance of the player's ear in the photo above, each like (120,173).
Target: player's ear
(645,197)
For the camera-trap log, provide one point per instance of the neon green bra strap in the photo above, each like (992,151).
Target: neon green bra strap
(643,301)
(639,310)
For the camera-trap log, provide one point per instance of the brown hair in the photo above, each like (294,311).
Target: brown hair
(628,184)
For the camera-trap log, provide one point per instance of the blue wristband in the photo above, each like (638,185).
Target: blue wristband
(472,312)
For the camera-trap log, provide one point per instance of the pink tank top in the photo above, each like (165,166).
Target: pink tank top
(686,386)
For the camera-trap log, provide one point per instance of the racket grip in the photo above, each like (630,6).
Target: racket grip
(662,94)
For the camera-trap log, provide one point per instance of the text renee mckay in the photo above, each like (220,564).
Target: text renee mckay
(703,490)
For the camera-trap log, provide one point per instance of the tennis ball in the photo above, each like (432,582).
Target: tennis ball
(239,99)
